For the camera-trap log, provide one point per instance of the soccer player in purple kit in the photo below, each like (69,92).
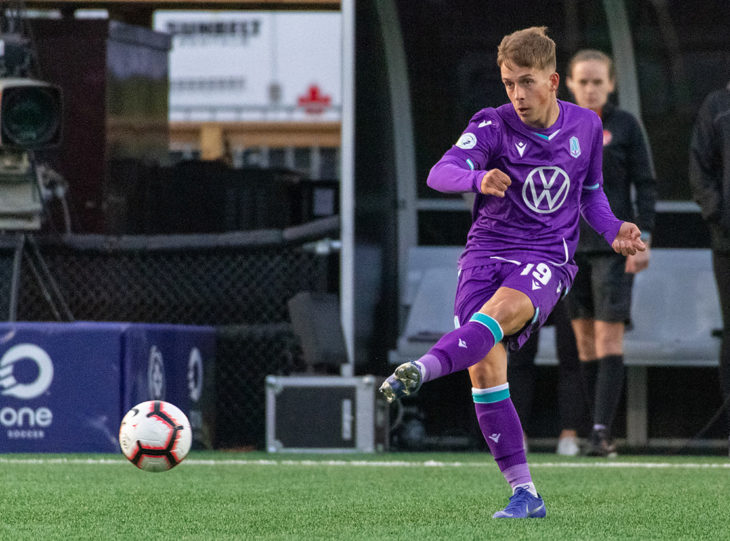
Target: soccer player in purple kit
(535,165)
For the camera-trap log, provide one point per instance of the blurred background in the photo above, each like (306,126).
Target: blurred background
(258,169)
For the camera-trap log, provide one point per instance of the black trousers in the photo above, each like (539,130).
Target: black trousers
(522,374)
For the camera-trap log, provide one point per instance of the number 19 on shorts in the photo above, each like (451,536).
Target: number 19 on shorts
(540,272)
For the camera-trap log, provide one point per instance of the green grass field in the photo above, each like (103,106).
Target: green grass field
(219,496)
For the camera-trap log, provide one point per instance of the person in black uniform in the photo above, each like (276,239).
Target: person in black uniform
(599,304)
(522,374)
(600,300)
(709,178)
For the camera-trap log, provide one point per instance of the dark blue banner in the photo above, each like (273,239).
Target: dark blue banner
(173,363)
(59,387)
(64,387)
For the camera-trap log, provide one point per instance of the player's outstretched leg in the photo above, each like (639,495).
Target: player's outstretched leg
(405,381)
(457,350)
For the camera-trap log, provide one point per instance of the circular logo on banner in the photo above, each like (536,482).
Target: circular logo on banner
(156,375)
(545,189)
(467,141)
(195,375)
(26,391)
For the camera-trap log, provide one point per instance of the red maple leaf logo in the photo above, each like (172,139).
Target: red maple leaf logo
(313,101)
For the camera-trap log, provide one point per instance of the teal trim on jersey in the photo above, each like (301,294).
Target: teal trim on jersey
(546,137)
(490,398)
(537,314)
(470,164)
(489,323)
(593,187)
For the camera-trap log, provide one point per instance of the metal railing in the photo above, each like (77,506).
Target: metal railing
(239,282)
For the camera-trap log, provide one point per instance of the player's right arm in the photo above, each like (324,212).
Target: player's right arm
(495,182)
(463,168)
(448,177)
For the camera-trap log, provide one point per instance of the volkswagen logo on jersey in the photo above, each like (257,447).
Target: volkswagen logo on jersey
(467,141)
(30,352)
(545,189)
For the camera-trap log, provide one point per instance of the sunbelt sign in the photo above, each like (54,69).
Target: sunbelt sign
(254,65)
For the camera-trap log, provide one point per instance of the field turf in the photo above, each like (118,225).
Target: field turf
(221,496)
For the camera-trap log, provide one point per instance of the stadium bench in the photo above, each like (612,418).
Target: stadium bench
(675,309)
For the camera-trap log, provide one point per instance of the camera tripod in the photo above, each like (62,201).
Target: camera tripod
(27,249)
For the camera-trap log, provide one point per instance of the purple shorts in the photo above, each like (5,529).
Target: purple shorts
(544,283)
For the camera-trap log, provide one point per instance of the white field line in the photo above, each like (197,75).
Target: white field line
(374,463)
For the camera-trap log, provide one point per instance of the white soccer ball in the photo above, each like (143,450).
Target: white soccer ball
(155,436)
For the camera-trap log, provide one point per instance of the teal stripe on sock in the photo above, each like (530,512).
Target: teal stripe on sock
(489,323)
(490,398)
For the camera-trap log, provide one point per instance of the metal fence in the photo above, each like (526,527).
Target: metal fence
(238,282)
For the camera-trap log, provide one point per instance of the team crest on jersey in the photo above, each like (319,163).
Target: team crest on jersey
(546,189)
(574,147)
(467,141)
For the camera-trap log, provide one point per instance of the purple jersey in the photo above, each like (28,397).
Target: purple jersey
(556,175)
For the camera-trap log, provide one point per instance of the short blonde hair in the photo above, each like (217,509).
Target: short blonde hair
(527,48)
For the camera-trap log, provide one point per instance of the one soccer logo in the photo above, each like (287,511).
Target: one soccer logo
(10,385)
(546,189)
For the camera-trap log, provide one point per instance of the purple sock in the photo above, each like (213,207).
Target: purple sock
(503,432)
(462,347)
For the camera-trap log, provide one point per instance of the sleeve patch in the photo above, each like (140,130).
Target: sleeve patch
(467,141)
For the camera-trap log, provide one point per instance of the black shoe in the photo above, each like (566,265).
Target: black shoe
(599,444)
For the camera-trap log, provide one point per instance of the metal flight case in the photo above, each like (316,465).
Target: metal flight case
(325,414)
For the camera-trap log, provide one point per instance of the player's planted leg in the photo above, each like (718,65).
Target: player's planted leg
(522,504)
(502,431)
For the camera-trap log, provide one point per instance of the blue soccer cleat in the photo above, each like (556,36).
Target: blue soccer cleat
(405,381)
(522,504)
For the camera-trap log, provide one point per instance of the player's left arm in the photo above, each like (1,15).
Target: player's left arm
(628,240)
(641,172)
(624,237)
